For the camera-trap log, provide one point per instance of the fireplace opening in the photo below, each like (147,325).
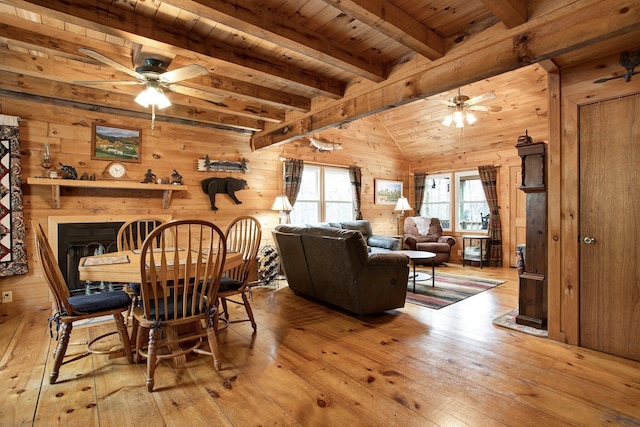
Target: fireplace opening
(77,240)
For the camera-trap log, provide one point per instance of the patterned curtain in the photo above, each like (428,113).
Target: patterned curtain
(488,176)
(13,250)
(292,178)
(418,182)
(355,175)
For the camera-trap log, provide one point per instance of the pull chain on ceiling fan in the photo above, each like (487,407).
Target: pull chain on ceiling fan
(154,75)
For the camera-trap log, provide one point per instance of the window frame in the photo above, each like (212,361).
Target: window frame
(424,205)
(454,199)
(458,177)
(322,192)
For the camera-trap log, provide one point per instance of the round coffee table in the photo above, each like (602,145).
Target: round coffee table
(421,256)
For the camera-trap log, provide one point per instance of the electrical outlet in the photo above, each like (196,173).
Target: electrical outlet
(459,252)
(7,296)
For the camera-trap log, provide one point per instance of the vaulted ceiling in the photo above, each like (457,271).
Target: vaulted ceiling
(283,69)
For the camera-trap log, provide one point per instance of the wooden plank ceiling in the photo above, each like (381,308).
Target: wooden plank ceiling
(284,69)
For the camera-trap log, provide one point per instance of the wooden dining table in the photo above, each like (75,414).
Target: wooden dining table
(124,266)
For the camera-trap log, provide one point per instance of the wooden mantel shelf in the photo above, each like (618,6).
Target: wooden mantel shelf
(55,185)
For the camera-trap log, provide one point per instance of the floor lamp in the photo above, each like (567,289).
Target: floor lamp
(402,205)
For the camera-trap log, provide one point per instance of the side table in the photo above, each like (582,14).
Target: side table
(484,245)
(414,257)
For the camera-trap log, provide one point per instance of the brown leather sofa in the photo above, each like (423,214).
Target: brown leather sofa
(334,266)
(427,236)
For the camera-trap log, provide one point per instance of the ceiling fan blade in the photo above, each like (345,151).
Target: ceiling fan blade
(110,62)
(606,79)
(196,93)
(487,108)
(106,82)
(480,98)
(626,76)
(183,73)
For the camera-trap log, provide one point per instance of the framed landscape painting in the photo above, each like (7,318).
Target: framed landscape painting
(387,192)
(116,143)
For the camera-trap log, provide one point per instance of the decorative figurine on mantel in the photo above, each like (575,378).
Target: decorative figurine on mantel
(68,172)
(149,177)
(176,178)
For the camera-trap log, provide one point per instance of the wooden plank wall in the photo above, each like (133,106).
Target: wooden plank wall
(168,147)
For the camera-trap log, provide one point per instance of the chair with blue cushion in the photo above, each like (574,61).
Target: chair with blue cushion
(130,237)
(181,263)
(69,309)
(243,235)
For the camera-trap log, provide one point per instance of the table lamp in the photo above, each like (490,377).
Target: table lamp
(402,205)
(281,204)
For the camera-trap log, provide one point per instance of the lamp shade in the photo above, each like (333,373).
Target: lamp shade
(403,205)
(281,203)
(153,96)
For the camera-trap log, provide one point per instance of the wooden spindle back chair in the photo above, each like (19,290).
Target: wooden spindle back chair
(131,236)
(68,309)
(132,233)
(243,235)
(180,267)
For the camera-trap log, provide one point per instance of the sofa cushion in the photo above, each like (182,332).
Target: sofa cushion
(363,226)
(383,242)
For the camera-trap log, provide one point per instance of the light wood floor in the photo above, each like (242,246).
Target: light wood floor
(309,365)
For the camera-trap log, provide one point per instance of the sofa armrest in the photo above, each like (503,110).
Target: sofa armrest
(384,242)
(450,240)
(388,258)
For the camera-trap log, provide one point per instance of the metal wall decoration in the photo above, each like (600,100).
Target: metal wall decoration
(208,165)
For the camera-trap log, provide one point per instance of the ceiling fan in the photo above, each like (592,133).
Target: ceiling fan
(629,60)
(461,105)
(154,75)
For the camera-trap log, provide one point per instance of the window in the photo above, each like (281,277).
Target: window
(437,199)
(471,203)
(325,195)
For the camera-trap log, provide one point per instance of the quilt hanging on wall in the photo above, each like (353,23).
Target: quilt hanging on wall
(13,252)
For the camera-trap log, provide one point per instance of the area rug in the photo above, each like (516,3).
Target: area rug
(508,320)
(448,290)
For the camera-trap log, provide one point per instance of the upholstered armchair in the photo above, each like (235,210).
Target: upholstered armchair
(425,234)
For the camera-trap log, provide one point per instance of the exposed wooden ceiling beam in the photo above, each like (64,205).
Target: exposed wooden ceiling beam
(511,12)
(65,44)
(41,90)
(74,73)
(567,28)
(27,65)
(109,19)
(395,23)
(244,16)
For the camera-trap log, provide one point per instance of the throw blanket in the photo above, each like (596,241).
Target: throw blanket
(422,224)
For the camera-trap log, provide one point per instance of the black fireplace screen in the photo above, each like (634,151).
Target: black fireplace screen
(78,240)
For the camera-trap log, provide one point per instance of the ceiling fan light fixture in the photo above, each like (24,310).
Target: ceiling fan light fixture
(447,120)
(153,96)
(471,119)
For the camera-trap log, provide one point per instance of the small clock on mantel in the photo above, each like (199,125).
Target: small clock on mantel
(115,171)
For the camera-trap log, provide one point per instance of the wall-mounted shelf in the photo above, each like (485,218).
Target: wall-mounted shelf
(55,185)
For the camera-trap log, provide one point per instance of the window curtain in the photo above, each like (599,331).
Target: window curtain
(419,182)
(292,179)
(488,177)
(355,175)
(13,250)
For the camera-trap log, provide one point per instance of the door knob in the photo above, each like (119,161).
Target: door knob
(589,240)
